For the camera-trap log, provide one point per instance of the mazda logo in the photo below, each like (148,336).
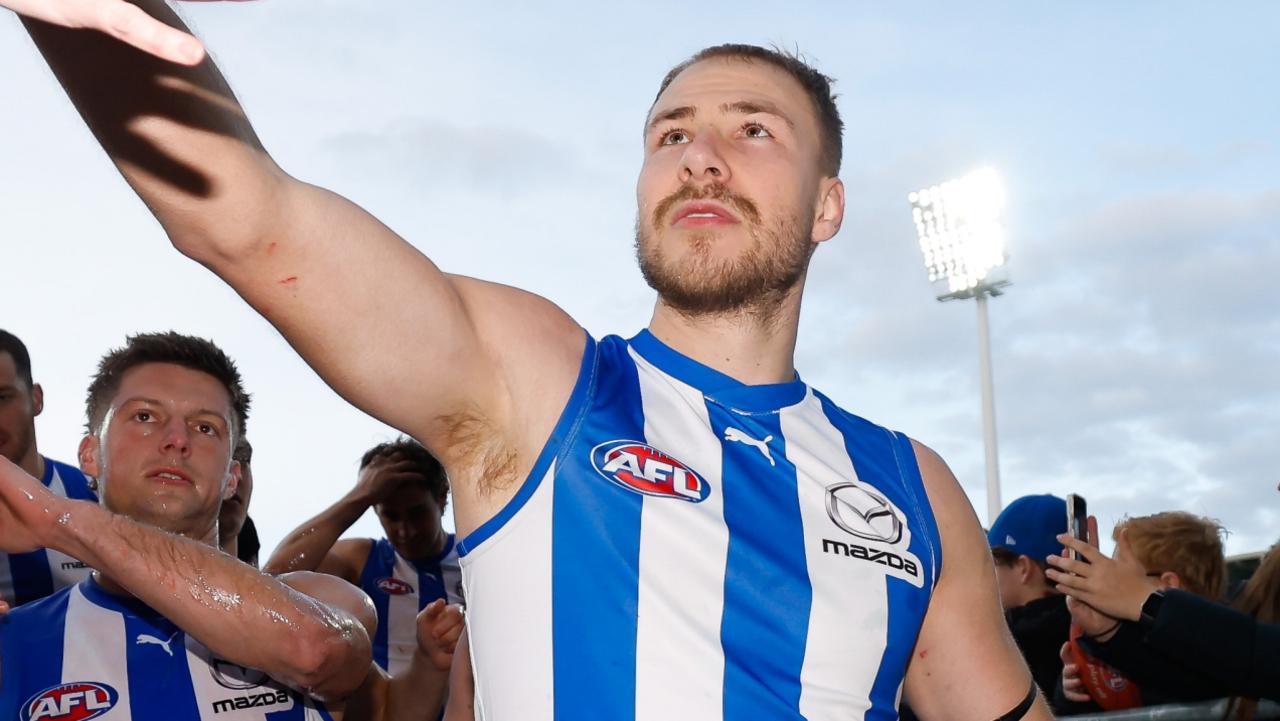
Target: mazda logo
(862,513)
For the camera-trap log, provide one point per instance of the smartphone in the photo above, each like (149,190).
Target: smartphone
(1077,521)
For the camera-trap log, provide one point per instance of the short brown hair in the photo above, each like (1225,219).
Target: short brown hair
(1181,542)
(816,85)
(433,477)
(183,350)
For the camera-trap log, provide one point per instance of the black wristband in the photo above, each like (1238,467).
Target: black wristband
(1021,709)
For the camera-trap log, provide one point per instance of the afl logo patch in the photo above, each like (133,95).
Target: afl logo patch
(75,701)
(643,469)
(394,586)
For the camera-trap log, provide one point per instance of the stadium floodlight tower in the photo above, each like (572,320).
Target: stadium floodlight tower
(962,238)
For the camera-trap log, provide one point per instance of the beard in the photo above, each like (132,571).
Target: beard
(753,283)
(18,445)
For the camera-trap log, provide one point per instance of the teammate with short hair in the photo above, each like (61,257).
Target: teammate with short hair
(668,526)
(237,534)
(413,565)
(168,626)
(26,577)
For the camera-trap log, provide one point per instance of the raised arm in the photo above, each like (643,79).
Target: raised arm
(241,614)
(432,354)
(966,666)
(314,545)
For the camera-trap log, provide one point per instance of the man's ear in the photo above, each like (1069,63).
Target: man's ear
(37,400)
(829,212)
(233,480)
(1170,579)
(1026,569)
(89,456)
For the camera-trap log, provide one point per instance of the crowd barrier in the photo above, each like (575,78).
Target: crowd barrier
(1207,711)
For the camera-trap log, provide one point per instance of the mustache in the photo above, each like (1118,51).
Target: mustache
(714,191)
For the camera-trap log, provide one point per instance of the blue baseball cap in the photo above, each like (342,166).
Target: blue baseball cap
(1029,526)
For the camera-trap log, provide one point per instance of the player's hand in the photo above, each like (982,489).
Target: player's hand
(1116,588)
(1092,622)
(26,509)
(119,19)
(439,628)
(1072,685)
(383,476)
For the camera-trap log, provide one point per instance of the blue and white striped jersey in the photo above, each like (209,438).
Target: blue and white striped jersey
(84,653)
(400,588)
(26,577)
(690,547)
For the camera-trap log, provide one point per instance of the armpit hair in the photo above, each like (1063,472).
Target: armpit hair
(477,447)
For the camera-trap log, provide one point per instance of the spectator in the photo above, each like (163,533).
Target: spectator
(1171,640)
(1022,537)
(1261,600)
(26,577)
(236,532)
(414,564)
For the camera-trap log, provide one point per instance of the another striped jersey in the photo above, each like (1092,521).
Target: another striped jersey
(84,653)
(400,588)
(690,547)
(26,577)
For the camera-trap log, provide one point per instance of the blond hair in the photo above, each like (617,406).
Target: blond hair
(1181,542)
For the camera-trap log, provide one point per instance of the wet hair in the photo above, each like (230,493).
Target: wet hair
(243,453)
(11,344)
(1181,542)
(174,348)
(434,479)
(816,85)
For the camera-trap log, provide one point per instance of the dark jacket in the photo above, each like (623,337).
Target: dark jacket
(1040,628)
(1194,650)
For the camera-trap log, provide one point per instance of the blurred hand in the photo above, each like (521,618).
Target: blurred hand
(1091,621)
(26,509)
(439,627)
(382,476)
(119,19)
(1116,588)
(1072,685)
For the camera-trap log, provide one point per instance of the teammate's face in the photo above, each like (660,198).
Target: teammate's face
(731,197)
(411,519)
(163,455)
(19,406)
(235,509)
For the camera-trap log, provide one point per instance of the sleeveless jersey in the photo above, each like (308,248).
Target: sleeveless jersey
(400,588)
(691,547)
(26,577)
(84,653)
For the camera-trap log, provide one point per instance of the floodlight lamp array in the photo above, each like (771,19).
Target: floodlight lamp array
(959,228)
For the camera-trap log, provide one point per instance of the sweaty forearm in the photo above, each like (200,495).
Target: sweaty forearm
(307,545)
(177,134)
(239,613)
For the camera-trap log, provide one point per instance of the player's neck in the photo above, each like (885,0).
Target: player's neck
(749,347)
(32,462)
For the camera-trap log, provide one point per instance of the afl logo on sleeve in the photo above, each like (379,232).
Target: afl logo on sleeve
(880,534)
(75,701)
(393,586)
(643,469)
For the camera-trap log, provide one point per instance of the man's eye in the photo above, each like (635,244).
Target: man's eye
(756,130)
(142,416)
(674,137)
(207,428)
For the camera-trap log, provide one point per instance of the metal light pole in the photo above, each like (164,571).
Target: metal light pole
(961,236)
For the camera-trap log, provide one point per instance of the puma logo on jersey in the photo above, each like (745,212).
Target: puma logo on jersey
(143,639)
(737,436)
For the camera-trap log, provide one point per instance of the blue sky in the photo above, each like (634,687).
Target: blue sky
(1136,354)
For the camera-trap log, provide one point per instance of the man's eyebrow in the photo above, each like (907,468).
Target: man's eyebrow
(153,402)
(748,107)
(680,113)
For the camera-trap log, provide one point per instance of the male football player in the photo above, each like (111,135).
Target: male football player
(38,573)
(672,525)
(168,626)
